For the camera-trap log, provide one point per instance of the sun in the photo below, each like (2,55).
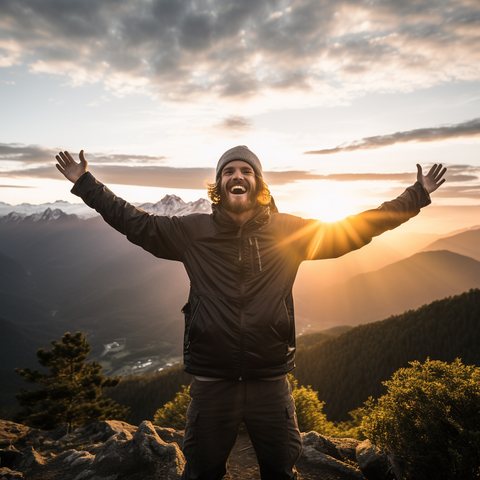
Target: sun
(331,211)
(328,204)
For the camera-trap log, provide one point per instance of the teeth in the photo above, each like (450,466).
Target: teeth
(238,188)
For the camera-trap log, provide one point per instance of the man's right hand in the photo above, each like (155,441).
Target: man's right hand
(69,167)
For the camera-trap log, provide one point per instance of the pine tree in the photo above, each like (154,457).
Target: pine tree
(71,392)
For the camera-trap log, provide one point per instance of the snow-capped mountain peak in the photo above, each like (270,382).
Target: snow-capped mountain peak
(47,215)
(171,205)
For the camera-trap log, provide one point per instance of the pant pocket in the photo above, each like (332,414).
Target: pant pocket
(293,434)
(191,434)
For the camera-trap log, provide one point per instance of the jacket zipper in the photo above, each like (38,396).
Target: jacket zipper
(241,260)
(255,254)
(258,255)
(241,305)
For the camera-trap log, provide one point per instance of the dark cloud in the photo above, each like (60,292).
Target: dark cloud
(145,176)
(435,134)
(232,48)
(31,154)
(13,152)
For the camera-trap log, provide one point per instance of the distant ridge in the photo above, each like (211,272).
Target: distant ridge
(465,243)
(400,286)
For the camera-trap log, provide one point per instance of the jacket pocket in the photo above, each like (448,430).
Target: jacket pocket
(190,316)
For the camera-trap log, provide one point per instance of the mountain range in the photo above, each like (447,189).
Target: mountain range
(168,205)
(66,272)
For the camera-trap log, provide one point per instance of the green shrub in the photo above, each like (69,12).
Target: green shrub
(430,418)
(174,414)
(309,410)
(350,428)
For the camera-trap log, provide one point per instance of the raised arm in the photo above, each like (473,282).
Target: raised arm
(160,235)
(329,240)
(69,168)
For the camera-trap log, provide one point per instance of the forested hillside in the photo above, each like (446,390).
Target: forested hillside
(145,394)
(347,369)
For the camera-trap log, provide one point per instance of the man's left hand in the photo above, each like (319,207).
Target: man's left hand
(433,179)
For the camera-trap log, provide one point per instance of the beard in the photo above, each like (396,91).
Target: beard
(239,207)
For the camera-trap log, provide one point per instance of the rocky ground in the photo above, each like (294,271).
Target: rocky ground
(114,450)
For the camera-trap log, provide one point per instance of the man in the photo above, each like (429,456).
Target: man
(239,321)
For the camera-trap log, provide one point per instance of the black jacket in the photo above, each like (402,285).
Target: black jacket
(239,319)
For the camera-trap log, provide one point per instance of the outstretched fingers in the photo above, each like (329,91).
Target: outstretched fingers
(437,172)
(71,169)
(64,160)
(433,179)
(82,157)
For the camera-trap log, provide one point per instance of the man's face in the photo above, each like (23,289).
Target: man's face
(238,187)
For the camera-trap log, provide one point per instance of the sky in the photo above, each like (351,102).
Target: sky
(339,99)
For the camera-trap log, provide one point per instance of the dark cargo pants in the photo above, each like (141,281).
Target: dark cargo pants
(215,412)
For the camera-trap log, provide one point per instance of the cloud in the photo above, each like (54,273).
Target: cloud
(230,49)
(13,152)
(235,122)
(155,176)
(454,175)
(145,176)
(447,191)
(119,158)
(434,134)
(33,154)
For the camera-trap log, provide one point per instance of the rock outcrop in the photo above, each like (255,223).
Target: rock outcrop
(114,450)
(108,450)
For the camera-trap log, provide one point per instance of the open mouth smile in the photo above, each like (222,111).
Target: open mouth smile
(238,190)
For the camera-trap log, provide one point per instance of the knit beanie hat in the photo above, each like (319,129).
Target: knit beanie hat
(239,153)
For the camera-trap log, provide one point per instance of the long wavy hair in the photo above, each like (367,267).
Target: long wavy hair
(261,189)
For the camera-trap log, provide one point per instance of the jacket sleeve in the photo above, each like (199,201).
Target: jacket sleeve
(160,235)
(331,240)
